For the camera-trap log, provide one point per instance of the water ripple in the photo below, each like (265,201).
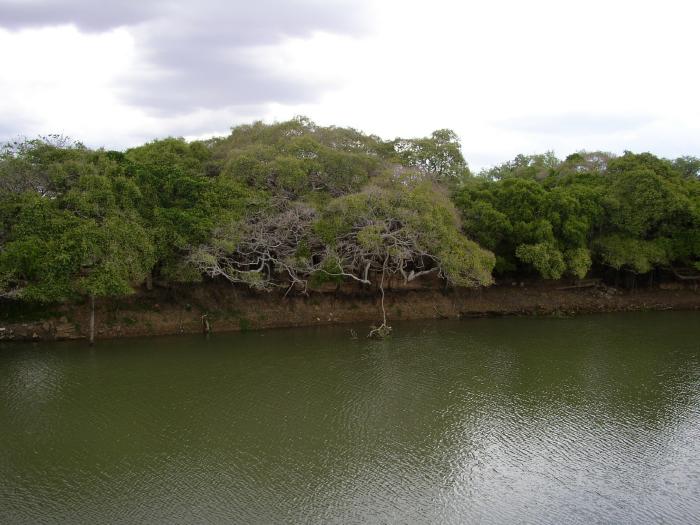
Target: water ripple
(587,420)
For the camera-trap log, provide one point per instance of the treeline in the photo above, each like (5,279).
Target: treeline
(592,211)
(292,205)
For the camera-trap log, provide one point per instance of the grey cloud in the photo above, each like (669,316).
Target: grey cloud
(195,53)
(577,123)
(240,22)
(85,14)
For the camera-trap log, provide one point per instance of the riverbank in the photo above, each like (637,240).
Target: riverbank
(191,309)
(223,308)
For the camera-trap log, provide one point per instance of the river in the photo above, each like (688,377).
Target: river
(504,420)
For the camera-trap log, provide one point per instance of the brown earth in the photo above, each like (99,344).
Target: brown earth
(187,309)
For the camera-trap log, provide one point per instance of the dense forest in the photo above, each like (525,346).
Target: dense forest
(292,205)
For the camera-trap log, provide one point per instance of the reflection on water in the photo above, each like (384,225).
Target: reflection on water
(592,419)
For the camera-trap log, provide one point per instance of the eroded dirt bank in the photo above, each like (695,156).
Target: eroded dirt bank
(226,308)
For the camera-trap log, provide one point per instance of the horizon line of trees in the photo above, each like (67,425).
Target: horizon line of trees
(292,205)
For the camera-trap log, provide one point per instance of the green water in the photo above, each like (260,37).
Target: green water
(584,420)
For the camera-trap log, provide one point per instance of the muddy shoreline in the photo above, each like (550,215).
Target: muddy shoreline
(188,309)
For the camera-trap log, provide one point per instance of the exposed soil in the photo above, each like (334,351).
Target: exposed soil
(188,309)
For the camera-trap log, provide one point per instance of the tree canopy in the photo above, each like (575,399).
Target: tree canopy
(635,212)
(291,205)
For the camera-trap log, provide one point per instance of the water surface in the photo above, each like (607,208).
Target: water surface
(583,420)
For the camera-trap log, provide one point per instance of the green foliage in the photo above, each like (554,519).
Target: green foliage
(87,240)
(439,155)
(544,257)
(401,219)
(642,201)
(625,252)
(297,164)
(534,167)
(330,271)
(578,261)
(688,167)
(294,201)
(565,217)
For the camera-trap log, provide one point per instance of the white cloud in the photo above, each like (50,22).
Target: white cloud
(510,77)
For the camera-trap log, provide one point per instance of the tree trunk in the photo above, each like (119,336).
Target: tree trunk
(92,319)
(384,329)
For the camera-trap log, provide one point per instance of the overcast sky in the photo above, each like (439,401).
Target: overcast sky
(508,76)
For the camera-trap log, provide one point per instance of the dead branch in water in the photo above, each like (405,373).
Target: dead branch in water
(383,329)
